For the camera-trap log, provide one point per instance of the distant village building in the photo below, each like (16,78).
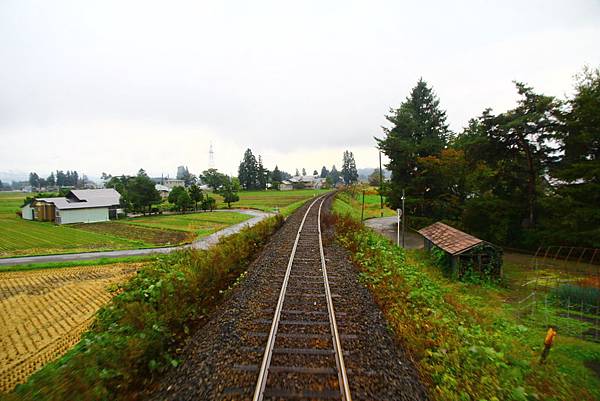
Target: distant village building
(168,182)
(78,206)
(307,181)
(286,185)
(163,190)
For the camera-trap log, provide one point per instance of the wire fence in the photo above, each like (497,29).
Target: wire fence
(563,290)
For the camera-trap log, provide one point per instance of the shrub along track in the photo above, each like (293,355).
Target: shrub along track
(222,361)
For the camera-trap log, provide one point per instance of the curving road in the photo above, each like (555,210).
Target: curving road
(201,243)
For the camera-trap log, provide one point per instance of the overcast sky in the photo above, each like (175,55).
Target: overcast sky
(118,85)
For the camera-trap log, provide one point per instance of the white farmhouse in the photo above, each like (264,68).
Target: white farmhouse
(78,206)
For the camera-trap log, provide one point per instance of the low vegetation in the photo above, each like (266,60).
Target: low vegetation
(351,203)
(270,201)
(137,336)
(465,338)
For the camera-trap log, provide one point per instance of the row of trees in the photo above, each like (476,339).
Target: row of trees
(524,177)
(61,179)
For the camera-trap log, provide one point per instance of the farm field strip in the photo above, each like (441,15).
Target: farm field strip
(193,222)
(25,238)
(142,233)
(21,238)
(44,312)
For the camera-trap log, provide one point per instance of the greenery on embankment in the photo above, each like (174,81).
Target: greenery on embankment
(135,337)
(466,343)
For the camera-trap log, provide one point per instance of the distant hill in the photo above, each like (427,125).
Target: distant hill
(364,173)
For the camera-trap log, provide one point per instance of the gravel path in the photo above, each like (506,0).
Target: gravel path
(201,243)
(219,362)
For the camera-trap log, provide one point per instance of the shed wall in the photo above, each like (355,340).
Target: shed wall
(27,212)
(94,215)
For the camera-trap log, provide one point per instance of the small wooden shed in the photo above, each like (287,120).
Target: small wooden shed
(464,251)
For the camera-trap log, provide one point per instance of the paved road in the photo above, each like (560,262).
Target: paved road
(201,243)
(388,226)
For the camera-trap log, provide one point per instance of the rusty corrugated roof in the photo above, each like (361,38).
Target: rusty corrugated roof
(449,238)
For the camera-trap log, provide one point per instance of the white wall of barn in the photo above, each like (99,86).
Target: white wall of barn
(95,215)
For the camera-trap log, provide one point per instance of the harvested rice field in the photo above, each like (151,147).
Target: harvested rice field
(44,312)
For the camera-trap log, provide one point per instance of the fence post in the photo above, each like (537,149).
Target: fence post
(582,318)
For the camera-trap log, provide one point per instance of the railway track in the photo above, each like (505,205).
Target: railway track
(279,337)
(302,357)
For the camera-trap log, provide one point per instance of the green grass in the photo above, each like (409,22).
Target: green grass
(202,224)
(27,238)
(271,199)
(351,203)
(467,339)
(95,262)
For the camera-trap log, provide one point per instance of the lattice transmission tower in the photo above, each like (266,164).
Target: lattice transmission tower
(211,157)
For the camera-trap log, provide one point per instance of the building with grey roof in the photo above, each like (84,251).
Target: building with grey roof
(78,206)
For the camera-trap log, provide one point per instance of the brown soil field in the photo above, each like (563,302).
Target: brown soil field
(44,312)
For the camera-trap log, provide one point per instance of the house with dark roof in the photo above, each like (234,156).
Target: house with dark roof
(463,252)
(78,206)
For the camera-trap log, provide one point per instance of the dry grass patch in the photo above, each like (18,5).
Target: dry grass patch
(44,312)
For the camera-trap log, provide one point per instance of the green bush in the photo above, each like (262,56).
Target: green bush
(134,338)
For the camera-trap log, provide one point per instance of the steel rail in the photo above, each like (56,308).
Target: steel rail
(266,361)
(337,346)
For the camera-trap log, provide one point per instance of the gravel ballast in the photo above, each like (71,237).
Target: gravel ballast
(221,360)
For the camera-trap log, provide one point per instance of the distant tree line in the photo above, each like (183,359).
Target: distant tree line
(60,179)
(526,177)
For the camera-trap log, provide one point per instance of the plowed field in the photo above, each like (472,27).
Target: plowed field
(44,312)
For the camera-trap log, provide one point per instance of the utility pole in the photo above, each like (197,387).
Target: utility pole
(403,218)
(399,211)
(380,185)
(362,212)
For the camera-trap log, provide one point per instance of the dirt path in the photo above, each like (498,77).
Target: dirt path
(220,361)
(44,312)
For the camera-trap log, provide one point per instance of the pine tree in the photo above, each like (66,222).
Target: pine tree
(324,172)
(419,129)
(276,176)
(349,172)
(248,171)
(334,175)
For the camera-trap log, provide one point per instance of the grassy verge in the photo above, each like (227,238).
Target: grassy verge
(95,262)
(465,338)
(350,203)
(135,338)
(269,200)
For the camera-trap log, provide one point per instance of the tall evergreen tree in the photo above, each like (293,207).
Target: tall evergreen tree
(334,175)
(248,171)
(262,174)
(303,171)
(324,172)
(349,172)
(419,129)
(276,175)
